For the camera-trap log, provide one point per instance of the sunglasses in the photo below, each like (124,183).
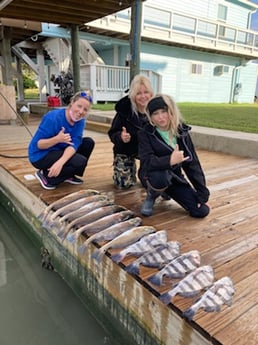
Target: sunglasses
(85,95)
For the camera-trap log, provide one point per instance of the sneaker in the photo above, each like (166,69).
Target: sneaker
(43,181)
(74,180)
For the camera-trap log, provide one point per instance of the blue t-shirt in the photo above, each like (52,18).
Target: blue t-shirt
(51,124)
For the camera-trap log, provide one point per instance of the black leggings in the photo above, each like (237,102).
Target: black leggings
(74,166)
(181,192)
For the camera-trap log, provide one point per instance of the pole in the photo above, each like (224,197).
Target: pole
(135,38)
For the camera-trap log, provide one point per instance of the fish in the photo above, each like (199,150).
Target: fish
(123,240)
(178,267)
(221,292)
(71,216)
(100,224)
(73,206)
(155,257)
(111,232)
(143,245)
(67,199)
(89,217)
(201,278)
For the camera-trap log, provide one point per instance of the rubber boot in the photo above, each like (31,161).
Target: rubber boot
(149,202)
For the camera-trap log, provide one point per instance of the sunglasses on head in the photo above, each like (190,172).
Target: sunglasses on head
(85,95)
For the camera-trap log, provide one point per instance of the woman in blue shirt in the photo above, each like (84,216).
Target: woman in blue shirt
(58,148)
(166,152)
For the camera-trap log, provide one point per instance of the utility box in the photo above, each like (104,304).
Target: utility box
(7,103)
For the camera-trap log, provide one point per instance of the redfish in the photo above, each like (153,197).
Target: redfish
(199,279)
(145,244)
(156,257)
(123,240)
(178,267)
(221,292)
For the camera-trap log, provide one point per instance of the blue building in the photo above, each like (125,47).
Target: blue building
(203,49)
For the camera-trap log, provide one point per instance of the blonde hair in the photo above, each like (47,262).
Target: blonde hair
(137,81)
(81,94)
(175,116)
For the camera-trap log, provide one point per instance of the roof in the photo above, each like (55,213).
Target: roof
(63,12)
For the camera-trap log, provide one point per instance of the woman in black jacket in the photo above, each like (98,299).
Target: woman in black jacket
(166,151)
(130,117)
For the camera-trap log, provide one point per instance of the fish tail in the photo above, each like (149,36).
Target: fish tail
(42,216)
(116,257)
(156,279)
(97,255)
(165,298)
(189,313)
(81,249)
(132,269)
(72,237)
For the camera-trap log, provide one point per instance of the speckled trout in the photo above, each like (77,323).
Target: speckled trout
(75,205)
(94,214)
(111,232)
(100,224)
(127,238)
(67,199)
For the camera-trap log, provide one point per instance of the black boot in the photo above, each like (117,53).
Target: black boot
(149,202)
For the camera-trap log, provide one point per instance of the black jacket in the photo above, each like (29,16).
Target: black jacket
(155,154)
(125,117)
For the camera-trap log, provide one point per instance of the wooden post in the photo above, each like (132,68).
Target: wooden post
(135,38)
(75,41)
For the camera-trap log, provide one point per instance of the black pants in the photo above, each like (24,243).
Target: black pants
(74,166)
(181,192)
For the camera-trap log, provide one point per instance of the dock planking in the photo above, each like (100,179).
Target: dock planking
(227,239)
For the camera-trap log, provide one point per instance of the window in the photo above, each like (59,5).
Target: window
(196,68)
(222,13)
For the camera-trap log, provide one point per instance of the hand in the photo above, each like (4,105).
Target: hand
(55,169)
(64,137)
(177,156)
(125,136)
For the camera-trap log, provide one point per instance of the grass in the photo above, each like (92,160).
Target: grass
(236,117)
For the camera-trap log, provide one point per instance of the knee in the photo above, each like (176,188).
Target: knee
(200,212)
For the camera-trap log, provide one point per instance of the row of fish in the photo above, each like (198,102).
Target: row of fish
(93,214)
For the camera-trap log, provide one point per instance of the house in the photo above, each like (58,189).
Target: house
(203,49)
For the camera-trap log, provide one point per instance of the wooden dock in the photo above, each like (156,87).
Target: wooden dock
(227,240)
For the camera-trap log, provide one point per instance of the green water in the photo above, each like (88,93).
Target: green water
(37,306)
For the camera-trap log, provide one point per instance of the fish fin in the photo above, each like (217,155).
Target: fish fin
(116,257)
(156,279)
(165,298)
(132,269)
(97,255)
(189,314)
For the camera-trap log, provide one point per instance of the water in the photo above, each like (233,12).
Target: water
(37,306)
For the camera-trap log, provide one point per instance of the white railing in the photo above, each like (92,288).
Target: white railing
(109,83)
(162,24)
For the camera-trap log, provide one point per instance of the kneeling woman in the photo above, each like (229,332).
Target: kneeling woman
(166,151)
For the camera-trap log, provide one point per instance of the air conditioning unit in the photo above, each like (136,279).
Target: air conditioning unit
(221,69)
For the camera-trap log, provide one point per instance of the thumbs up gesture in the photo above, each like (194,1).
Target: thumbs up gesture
(177,156)
(125,136)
